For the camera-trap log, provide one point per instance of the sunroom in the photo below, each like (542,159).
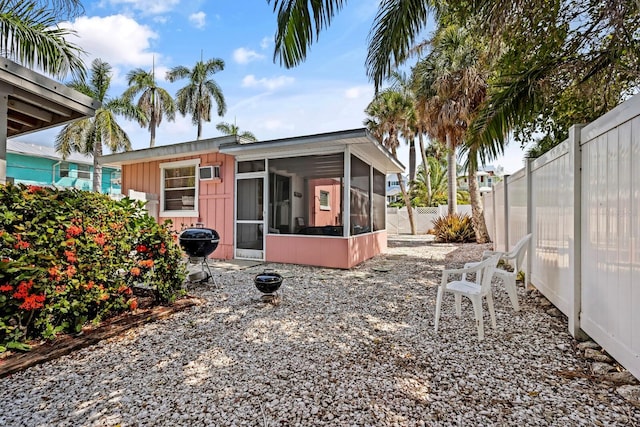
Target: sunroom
(313,200)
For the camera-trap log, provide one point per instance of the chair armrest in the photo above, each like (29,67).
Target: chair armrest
(475,266)
(488,254)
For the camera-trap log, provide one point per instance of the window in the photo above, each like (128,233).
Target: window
(179,188)
(360,196)
(84,171)
(251,166)
(325,205)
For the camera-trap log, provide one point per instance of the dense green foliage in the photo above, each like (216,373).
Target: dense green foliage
(454,228)
(69,257)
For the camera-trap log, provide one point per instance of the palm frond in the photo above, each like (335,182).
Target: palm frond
(395,29)
(299,25)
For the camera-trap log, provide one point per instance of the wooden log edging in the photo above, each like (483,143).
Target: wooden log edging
(67,344)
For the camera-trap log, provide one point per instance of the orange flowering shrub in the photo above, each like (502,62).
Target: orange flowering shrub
(69,257)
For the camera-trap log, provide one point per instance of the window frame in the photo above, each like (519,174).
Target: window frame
(193,213)
(327,206)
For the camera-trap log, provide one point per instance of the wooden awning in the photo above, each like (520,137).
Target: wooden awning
(35,102)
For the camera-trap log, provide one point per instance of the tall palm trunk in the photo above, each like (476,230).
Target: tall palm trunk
(425,165)
(97,167)
(412,161)
(407,203)
(152,120)
(451,175)
(477,210)
(199,129)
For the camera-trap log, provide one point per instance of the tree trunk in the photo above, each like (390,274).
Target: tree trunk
(477,210)
(199,128)
(97,167)
(427,168)
(407,203)
(412,161)
(452,191)
(152,128)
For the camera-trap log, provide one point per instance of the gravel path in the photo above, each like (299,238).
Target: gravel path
(343,348)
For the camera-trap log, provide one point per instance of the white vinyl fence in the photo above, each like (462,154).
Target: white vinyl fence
(398,218)
(581,202)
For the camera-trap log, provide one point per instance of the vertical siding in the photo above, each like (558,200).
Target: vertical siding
(215,198)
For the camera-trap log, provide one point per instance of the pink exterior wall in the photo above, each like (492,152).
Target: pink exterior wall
(215,204)
(321,217)
(332,252)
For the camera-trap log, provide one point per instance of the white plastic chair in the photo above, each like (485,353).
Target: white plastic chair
(475,291)
(515,258)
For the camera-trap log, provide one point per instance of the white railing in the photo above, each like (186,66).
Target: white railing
(581,202)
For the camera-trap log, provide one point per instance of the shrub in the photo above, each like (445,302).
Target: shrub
(454,228)
(68,257)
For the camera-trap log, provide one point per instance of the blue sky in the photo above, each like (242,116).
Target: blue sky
(328,92)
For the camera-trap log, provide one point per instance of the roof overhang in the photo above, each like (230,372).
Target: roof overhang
(360,142)
(36,102)
(165,152)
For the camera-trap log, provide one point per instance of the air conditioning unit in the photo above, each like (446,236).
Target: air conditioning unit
(208,173)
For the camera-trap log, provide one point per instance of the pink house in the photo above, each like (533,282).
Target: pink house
(313,200)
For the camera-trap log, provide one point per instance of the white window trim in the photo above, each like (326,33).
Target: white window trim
(187,214)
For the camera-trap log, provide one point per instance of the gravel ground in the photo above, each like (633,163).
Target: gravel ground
(342,348)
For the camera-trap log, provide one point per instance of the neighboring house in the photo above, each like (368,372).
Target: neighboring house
(320,198)
(486,179)
(41,165)
(31,102)
(394,193)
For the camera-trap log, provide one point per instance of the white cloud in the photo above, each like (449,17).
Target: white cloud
(244,56)
(198,19)
(357,92)
(270,84)
(151,7)
(104,37)
(266,42)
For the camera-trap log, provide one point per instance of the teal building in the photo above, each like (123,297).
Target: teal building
(41,165)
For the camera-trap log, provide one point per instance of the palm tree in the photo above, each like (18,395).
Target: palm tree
(195,97)
(29,34)
(388,113)
(88,136)
(233,129)
(154,101)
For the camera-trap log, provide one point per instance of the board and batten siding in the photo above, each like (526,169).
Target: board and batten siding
(215,206)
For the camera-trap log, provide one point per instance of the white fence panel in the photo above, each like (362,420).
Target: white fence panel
(517,197)
(553,215)
(398,218)
(500,241)
(611,233)
(489,214)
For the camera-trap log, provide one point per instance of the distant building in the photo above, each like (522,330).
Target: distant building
(394,193)
(486,179)
(41,165)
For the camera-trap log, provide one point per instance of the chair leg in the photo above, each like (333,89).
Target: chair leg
(492,311)
(510,286)
(476,300)
(438,304)
(458,299)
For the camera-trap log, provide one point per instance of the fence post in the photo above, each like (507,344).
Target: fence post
(576,303)
(530,221)
(506,213)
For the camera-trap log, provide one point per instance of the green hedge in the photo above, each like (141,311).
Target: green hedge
(68,257)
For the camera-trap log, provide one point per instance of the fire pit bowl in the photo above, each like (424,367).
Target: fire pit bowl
(268,282)
(199,242)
